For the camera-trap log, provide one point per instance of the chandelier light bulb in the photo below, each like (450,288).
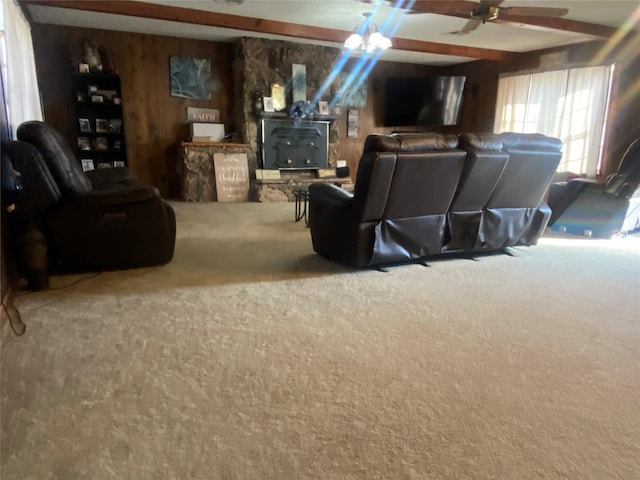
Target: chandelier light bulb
(370,40)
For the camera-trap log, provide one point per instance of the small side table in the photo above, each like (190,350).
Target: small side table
(301,197)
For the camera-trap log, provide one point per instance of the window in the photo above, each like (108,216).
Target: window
(570,104)
(18,66)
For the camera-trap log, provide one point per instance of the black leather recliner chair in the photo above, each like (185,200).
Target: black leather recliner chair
(94,220)
(602,209)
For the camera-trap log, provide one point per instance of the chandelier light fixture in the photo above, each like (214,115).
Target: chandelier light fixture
(367,37)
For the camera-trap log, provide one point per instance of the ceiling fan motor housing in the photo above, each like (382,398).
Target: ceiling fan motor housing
(485,13)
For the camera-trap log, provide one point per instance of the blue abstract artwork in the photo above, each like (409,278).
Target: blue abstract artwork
(190,78)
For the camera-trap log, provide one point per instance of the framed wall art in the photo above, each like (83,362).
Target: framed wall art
(190,77)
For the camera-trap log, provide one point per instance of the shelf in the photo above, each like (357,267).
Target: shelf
(285,116)
(90,115)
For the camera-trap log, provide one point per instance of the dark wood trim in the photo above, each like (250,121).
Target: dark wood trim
(273,27)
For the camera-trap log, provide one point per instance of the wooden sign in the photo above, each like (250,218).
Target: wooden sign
(203,115)
(232,177)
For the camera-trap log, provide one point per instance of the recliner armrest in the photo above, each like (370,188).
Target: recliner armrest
(330,195)
(98,199)
(105,178)
(590,184)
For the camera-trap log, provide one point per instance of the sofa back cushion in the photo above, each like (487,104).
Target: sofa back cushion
(57,154)
(482,170)
(406,175)
(533,160)
(410,142)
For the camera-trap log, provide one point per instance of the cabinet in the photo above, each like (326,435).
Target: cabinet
(99,120)
(287,145)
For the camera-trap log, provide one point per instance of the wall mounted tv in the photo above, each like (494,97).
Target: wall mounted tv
(423,101)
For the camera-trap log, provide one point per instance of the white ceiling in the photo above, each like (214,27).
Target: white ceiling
(346,14)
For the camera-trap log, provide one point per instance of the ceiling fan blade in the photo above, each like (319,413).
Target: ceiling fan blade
(535,11)
(469,27)
(442,7)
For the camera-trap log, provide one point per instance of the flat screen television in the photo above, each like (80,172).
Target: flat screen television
(423,101)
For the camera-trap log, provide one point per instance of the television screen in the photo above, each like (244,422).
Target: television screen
(423,101)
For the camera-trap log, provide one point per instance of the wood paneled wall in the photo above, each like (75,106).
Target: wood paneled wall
(155,122)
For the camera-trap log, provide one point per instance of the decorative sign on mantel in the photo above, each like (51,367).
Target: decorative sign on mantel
(203,115)
(231,172)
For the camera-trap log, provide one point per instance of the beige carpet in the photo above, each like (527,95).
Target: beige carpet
(250,357)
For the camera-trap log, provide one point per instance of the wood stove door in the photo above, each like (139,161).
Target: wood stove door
(309,155)
(287,153)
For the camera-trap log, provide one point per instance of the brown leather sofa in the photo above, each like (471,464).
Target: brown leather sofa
(420,195)
(102,219)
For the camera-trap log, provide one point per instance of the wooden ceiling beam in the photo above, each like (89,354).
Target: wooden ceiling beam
(257,25)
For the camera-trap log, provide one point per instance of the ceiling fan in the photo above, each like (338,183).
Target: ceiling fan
(478,13)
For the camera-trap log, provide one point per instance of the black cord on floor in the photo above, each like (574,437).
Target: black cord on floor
(75,282)
(13,314)
(15,320)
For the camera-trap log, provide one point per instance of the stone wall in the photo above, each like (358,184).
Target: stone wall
(260,62)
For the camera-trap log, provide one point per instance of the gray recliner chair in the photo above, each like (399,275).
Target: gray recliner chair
(600,209)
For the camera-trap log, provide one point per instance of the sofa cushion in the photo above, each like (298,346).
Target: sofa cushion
(480,141)
(529,141)
(410,142)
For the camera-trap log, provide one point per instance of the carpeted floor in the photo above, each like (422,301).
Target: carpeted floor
(250,357)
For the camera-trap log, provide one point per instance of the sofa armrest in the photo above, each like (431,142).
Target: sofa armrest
(115,197)
(105,178)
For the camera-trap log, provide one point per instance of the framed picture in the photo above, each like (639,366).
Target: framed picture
(103,165)
(85,125)
(93,88)
(352,124)
(118,163)
(80,98)
(100,143)
(83,67)
(87,164)
(323,108)
(115,125)
(268,104)
(84,143)
(108,95)
(117,145)
(97,99)
(102,125)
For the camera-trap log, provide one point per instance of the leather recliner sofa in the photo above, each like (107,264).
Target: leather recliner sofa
(101,219)
(420,195)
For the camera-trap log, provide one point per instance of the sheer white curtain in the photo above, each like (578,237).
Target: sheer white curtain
(511,110)
(568,104)
(583,120)
(22,95)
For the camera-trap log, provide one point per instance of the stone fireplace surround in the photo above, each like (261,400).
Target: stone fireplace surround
(259,63)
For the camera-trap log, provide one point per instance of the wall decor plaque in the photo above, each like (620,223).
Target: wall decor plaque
(299,82)
(203,115)
(231,172)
